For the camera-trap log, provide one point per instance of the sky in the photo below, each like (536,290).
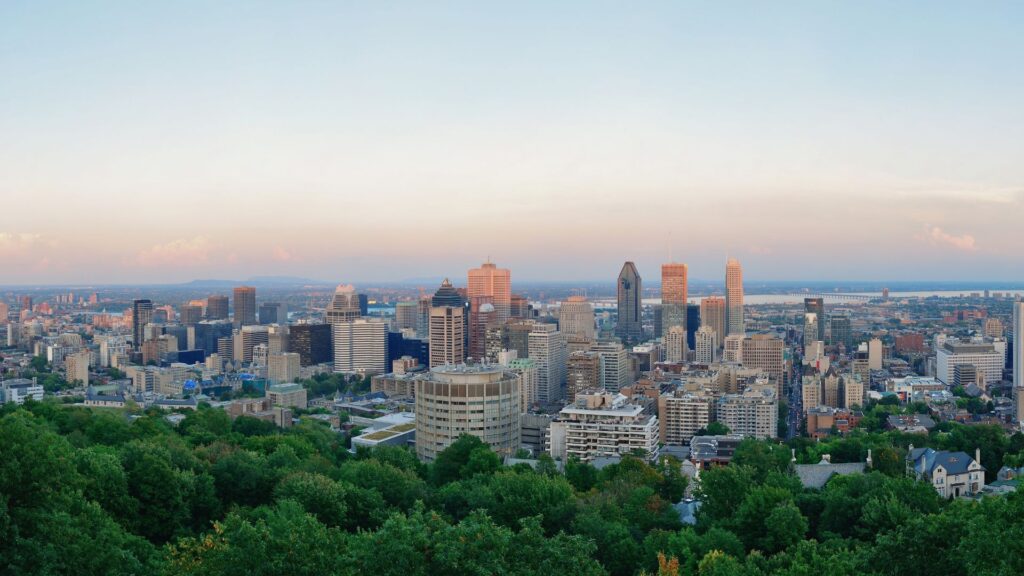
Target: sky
(381,141)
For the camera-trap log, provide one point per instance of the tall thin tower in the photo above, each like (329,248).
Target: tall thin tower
(630,291)
(673,297)
(1018,360)
(733,297)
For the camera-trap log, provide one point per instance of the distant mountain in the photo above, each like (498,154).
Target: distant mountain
(255,281)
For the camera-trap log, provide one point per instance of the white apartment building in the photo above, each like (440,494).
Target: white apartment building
(547,347)
(983,355)
(615,371)
(602,425)
(361,346)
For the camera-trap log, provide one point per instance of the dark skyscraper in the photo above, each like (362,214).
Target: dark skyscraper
(817,306)
(692,325)
(142,314)
(312,342)
(217,307)
(245,306)
(840,331)
(273,313)
(630,290)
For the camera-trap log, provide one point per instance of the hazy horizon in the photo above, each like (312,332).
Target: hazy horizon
(159,143)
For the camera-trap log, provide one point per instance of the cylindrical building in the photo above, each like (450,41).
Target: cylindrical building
(480,400)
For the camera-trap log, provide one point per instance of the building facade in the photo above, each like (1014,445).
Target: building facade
(482,401)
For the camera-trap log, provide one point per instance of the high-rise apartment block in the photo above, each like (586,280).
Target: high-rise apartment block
(283,368)
(602,425)
(583,374)
(675,344)
(682,413)
(361,346)
(547,348)
(447,337)
(576,317)
(766,352)
(77,367)
(406,315)
(752,413)
(706,351)
(615,370)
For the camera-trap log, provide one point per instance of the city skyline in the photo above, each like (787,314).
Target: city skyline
(856,142)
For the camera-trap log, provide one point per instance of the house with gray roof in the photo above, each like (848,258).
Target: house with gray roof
(817,475)
(952,474)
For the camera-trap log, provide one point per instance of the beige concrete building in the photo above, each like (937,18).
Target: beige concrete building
(712,315)
(77,367)
(447,336)
(753,413)
(675,344)
(583,374)
(766,352)
(706,344)
(576,318)
(283,368)
(682,413)
(287,395)
(483,401)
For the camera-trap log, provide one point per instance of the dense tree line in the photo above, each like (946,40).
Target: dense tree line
(97,492)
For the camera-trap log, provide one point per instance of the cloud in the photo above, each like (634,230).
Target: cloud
(280,254)
(181,252)
(963,242)
(18,244)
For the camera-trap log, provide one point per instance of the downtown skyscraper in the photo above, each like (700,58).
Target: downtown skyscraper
(489,280)
(630,292)
(142,314)
(245,306)
(673,297)
(817,307)
(733,297)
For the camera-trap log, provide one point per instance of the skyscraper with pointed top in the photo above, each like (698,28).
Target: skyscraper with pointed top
(630,291)
(733,297)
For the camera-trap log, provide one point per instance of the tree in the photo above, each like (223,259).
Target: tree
(317,494)
(265,541)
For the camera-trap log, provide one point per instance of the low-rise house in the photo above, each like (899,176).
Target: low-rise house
(910,423)
(817,475)
(952,474)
